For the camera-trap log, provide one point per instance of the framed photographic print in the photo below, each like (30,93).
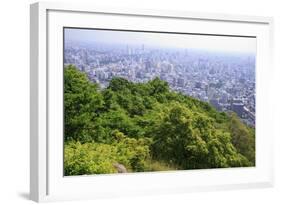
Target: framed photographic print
(127,102)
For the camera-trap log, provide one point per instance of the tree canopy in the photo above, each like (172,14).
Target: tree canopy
(147,127)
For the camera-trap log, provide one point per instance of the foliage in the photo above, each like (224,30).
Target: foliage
(99,158)
(147,127)
(82,102)
(243,137)
(189,139)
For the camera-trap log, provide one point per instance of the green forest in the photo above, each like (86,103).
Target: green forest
(140,127)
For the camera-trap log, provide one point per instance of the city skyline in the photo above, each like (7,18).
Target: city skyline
(222,78)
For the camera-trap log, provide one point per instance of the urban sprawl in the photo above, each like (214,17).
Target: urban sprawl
(226,80)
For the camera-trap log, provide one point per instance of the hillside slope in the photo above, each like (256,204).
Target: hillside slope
(147,127)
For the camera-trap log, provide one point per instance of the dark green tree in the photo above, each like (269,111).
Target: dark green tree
(82,102)
(243,137)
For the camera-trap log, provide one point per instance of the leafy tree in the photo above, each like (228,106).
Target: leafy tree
(243,137)
(116,120)
(82,102)
(88,158)
(158,86)
(99,158)
(117,84)
(189,140)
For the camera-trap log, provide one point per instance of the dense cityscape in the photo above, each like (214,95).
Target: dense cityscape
(226,80)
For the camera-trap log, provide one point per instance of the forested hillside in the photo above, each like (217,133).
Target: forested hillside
(147,127)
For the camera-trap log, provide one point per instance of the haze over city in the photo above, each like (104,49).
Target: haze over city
(215,69)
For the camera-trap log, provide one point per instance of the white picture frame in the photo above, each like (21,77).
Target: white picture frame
(47,182)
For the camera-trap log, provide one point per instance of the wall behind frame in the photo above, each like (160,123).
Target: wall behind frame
(14,103)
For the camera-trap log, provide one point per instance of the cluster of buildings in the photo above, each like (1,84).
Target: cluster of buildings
(226,80)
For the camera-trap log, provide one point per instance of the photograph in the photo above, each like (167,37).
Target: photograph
(150,101)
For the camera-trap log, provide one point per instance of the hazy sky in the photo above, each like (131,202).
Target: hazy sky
(202,42)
